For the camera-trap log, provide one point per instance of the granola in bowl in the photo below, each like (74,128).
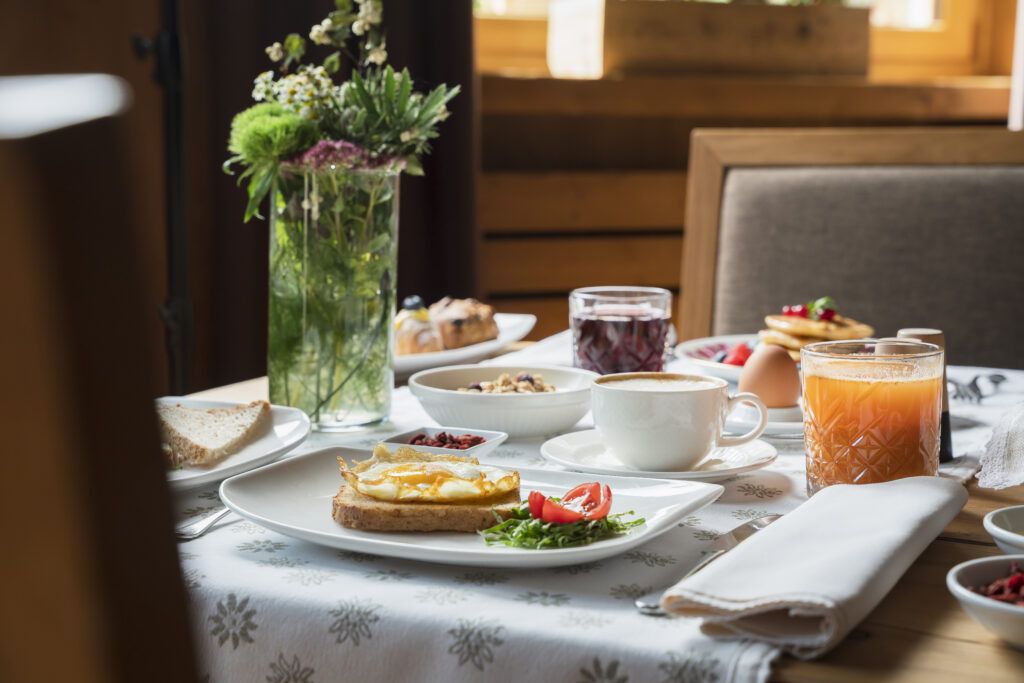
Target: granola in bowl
(522,383)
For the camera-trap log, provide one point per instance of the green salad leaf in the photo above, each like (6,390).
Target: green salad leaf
(521,530)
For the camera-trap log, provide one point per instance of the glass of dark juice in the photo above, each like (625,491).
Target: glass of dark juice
(620,329)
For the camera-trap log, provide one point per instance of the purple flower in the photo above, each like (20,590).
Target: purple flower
(336,152)
(341,153)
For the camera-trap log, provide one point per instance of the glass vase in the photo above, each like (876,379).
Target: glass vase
(333,258)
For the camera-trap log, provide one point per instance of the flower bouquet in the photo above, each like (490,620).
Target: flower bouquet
(327,143)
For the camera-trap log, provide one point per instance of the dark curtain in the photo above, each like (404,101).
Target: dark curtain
(224,45)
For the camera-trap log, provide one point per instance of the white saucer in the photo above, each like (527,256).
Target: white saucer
(586,452)
(783,423)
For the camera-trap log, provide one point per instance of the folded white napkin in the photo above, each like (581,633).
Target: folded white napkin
(1002,462)
(805,581)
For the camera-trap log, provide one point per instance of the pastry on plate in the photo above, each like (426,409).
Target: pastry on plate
(413,491)
(787,341)
(803,324)
(204,436)
(837,328)
(462,322)
(415,332)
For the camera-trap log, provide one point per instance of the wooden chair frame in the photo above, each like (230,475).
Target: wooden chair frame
(714,152)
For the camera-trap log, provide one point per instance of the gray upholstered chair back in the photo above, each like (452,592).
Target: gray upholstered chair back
(897,246)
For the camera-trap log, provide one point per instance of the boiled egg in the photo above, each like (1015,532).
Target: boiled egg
(771,374)
(408,475)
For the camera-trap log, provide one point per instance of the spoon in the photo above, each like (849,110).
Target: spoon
(650,604)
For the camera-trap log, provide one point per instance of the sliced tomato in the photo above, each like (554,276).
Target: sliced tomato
(593,500)
(587,501)
(582,494)
(556,513)
(536,501)
(602,505)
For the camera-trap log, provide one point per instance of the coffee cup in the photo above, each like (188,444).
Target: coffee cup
(668,422)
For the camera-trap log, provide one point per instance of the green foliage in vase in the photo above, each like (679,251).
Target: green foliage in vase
(332,291)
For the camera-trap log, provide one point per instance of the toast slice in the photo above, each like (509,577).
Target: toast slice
(358,511)
(204,436)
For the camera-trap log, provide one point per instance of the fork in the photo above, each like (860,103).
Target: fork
(192,530)
(971,391)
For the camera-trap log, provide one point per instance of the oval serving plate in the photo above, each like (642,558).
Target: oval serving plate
(293,497)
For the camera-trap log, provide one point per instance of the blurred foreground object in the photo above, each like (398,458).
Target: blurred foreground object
(94,589)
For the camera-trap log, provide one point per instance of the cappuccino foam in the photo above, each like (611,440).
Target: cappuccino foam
(667,384)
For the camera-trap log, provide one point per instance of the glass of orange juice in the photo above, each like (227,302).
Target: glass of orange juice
(871,410)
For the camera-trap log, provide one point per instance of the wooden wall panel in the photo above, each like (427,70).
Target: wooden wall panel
(549,142)
(560,201)
(552,312)
(555,265)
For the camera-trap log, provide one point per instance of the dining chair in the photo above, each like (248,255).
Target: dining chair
(93,591)
(904,227)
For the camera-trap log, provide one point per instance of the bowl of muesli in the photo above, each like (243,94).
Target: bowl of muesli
(522,401)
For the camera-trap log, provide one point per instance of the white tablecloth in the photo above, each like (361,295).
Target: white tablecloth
(266,607)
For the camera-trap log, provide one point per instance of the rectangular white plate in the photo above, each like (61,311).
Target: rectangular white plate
(293,497)
(288,428)
(511,328)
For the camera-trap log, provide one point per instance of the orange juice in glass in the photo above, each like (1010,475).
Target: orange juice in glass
(872,410)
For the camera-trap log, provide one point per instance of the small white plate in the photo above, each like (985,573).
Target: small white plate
(586,451)
(491,440)
(288,428)
(783,423)
(511,328)
(699,352)
(293,497)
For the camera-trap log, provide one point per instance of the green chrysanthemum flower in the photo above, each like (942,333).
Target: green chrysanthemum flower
(268,132)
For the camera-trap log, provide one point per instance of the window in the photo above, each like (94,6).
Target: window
(910,39)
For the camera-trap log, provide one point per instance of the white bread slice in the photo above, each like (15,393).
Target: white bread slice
(203,436)
(355,510)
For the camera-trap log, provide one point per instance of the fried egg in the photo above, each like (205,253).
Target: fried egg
(410,476)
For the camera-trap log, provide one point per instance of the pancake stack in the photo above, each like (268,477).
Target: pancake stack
(794,332)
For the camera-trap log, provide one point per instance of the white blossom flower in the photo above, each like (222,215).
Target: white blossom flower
(307,92)
(263,86)
(371,11)
(378,55)
(275,52)
(408,135)
(318,34)
(443,113)
(359,27)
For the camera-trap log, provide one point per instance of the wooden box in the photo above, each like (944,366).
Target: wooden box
(593,38)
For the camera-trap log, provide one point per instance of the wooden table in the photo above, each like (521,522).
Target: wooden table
(917,633)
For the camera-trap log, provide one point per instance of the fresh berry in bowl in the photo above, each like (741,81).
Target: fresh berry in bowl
(991,591)
(738,355)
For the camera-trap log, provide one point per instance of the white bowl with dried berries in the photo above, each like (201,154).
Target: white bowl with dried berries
(462,395)
(462,441)
(1006,527)
(991,590)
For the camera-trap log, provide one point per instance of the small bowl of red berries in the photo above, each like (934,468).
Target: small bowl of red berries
(991,590)
(472,443)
